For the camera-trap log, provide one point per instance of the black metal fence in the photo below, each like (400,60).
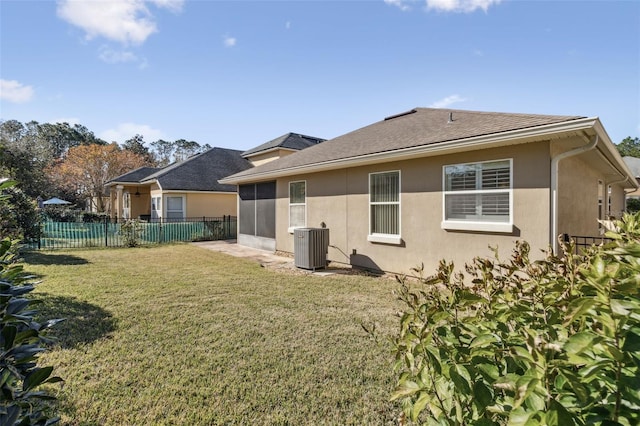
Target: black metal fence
(119,233)
(581,242)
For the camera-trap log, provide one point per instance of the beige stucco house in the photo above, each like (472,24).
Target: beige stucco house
(182,190)
(433,184)
(190,188)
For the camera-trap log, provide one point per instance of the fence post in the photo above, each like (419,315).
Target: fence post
(204,228)
(106,231)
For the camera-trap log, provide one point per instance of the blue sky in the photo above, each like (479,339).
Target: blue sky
(237,74)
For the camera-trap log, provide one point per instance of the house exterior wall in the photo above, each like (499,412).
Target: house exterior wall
(579,188)
(200,204)
(210,205)
(340,199)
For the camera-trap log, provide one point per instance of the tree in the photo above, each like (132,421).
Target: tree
(629,147)
(136,145)
(86,168)
(185,149)
(26,150)
(163,152)
(61,136)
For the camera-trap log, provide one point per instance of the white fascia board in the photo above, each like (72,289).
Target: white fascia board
(182,191)
(440,148)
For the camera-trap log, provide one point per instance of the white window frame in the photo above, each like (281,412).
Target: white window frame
(477,225)
(156,202)
(386,238)
(166,210)
(292,227)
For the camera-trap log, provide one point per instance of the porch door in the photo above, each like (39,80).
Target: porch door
(126,205)
(257,214)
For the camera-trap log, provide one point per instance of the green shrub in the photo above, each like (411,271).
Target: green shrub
(91,217)
(131,232)
(21,341)
(521,342)
(633,205)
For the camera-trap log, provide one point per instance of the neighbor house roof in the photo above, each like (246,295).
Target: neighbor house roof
(201,172)
(290,141)
(634,165)
(134,176)
(417,129)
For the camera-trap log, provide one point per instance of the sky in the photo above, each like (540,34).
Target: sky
(236,74)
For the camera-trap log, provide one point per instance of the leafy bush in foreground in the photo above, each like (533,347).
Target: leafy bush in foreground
(521,342)
(21,341)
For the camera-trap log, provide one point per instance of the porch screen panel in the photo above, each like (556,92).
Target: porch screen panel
(385,203)
(247,209)
(266,210)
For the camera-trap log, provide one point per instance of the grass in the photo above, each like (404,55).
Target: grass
(181,335)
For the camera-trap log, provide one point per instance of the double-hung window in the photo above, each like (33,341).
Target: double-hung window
(384,207)
(478,196)
(297,205)
(175,207)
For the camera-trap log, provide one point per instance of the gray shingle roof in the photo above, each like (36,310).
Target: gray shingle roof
(415,128)
(290,141)
(634,165)
(135,175)
(201,172)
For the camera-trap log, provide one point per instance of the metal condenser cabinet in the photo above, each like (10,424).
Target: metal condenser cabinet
(310,247)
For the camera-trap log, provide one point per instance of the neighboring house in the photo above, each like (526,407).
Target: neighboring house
(280,147)
(433,184)
(634,165)
(187,189)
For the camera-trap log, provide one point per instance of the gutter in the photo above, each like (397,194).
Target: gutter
(554,186)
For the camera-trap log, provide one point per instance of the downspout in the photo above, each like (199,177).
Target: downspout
(554,186)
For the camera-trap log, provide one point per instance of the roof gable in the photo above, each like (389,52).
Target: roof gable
(134,176)
(293,141)
(201,172)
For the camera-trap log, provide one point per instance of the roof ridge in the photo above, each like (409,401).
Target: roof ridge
(514,114)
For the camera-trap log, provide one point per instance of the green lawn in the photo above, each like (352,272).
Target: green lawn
(179,335)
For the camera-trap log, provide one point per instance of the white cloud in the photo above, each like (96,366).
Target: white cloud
(229,41)
(125,131)
(449,100)
(401,4)
(112,56)
(460,5)
(14,91)
(287,25)
(478,52)
(124,21)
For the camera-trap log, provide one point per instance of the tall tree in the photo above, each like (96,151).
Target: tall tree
(137,146)
(163,152)
(86,168)
(185,149)
(26,150)
(629,147)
